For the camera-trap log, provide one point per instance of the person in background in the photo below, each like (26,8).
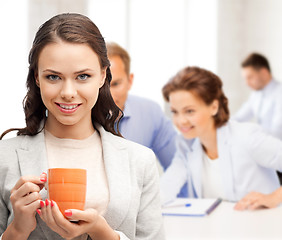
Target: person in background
(69,78)
(217,157)
(264,106)
(143,122)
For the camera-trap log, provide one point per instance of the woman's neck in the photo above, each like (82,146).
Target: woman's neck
(209,143)
(76,131)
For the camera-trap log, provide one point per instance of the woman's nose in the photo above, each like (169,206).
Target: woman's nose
(182,119)
(68,90)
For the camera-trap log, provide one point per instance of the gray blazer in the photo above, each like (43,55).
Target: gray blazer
(134,207)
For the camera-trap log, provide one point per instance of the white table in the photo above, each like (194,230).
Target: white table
(226,223)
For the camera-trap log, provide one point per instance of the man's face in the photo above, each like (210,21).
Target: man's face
(254,78)
(121,81)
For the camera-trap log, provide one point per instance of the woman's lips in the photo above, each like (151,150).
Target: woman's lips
(68,108)
(186,129)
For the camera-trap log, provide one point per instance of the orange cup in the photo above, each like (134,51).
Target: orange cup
(67,187)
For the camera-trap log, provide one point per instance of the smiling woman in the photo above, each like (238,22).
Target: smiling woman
(217,157)
(69,77)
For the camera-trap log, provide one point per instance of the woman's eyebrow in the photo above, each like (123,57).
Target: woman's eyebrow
(50,70)
(56,72)
(83,70)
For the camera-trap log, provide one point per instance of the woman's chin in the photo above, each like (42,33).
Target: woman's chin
(189,136)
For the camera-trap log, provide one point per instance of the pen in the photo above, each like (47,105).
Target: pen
(216,203)
(178,205)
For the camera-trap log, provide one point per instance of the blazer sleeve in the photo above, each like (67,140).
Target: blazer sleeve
(265,149)
(149,223)
(4,210)
(4,213)
(175,176)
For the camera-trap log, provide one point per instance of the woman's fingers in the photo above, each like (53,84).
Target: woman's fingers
(39,180)
(241,205)
(247,202)
(51,214)
(89,215)
(34,205)
(251,201)
(24,190)
(256,205)
(29,198)
(26,185)
(59,218)
(47,216)
(61,224)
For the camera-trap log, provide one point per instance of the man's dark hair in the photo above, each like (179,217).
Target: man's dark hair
(256,61)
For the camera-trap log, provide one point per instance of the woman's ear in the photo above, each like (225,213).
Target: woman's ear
(214,107)
(103,77)
(36,80)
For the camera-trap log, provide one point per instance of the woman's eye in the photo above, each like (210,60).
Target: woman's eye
(83,76)
(53,77)
(189,111)
(114,84)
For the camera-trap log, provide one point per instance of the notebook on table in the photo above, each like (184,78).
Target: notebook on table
(190,207)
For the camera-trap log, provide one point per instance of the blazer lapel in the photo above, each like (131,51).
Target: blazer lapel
(32,155)
(195,164)
(33,161)
(225,159)
(118,175)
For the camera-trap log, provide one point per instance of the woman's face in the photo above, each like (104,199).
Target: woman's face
(69,78)
(191,115)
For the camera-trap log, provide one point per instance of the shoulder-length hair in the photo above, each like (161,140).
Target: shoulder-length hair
(205,85)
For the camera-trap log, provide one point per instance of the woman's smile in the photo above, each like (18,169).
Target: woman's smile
(67,108)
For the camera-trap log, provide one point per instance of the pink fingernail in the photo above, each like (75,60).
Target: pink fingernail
(52,203)
(42,204)
(38,211)
(43,179)
(68,213)
(46,202)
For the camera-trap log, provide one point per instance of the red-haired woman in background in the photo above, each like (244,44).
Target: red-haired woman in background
(216,156)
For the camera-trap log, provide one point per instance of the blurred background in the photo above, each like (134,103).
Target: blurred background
(162,36)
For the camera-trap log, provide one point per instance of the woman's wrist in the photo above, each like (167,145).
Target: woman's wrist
(278,195)
(12,233)
(102,230)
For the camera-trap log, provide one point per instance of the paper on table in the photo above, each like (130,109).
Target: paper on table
(197,208)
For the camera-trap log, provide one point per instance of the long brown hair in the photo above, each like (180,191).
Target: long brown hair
(205,84)
(72,28)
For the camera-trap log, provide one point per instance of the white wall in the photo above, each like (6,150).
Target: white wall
(231,45)
(263,31)
(161,36)
(245,26)
(13,62)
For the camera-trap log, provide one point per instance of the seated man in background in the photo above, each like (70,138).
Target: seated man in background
(144,122)
(265,103)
